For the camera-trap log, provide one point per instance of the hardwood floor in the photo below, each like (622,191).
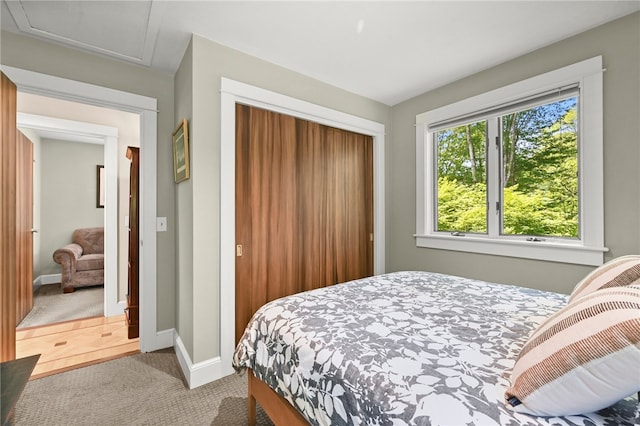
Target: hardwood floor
(74,344)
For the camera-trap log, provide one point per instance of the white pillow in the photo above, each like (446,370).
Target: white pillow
(621,271)
(583,358)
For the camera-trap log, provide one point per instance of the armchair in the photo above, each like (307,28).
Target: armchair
(82,261)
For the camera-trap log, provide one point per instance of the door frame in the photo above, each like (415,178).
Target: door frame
(233,92)
(108,137)
(146,108)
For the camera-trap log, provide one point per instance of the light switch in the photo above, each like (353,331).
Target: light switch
(161,224)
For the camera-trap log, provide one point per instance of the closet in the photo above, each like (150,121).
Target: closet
(304,207)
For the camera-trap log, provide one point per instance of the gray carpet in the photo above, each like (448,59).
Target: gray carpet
(142,389)
(50,305)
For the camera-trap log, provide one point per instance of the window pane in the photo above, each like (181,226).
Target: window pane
(540,170)
(462,181)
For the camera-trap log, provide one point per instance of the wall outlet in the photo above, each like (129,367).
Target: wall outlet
(161,224)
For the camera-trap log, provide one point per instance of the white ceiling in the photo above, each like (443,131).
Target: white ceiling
(387,51)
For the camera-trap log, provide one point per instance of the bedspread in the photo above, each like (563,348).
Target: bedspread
(405,348)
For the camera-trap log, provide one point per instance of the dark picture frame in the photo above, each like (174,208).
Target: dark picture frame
(100,195)
(181,152)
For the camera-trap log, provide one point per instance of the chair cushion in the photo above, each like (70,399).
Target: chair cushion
(90,262)
(91,240)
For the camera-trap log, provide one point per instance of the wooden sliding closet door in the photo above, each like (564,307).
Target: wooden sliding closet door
(265,210)
(335,214)
(304,207)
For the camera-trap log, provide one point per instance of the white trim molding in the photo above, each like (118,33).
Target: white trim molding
(200,373)
(589,248)
(47,279)
(146,108)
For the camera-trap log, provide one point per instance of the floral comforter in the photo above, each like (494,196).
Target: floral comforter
(405,348)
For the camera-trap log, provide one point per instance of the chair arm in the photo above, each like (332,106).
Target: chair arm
(67,257)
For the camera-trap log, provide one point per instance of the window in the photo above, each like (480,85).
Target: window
(516,171)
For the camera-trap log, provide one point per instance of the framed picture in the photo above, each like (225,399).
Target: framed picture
(99,187)
(181,152)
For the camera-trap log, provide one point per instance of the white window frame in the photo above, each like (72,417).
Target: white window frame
(589,248)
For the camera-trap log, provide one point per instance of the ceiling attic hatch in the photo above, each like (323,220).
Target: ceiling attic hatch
(89,26)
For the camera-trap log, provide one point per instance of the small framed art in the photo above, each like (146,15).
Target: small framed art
(181,152)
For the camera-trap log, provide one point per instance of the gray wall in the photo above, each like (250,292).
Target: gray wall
(68,195)
(198,208)
(183,208)
(618,42)
(35,55)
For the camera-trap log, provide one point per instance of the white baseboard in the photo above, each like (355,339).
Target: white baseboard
(47,279)
(200,373)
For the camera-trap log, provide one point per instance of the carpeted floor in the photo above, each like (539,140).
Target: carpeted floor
(50,305)
(142,389)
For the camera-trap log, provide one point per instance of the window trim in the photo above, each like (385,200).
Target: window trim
(589,249)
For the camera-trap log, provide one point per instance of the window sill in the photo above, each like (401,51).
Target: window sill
(540,250)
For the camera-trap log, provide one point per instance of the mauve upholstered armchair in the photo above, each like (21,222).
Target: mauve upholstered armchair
(82,261)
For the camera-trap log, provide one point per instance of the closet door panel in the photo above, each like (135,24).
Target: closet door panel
(243,222)
(304,207)
(348,230)
(316,263)
(335,198)
(265,210)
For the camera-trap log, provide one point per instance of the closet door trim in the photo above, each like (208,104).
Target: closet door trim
(233,92)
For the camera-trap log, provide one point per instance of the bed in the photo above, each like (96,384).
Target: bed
(403,348)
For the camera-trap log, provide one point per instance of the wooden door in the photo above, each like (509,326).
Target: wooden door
(265,201)
(8,221)
(132,310)
(24,226)
(304,207)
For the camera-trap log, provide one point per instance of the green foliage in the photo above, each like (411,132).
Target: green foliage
(539,173)
(461,207)
(535,214)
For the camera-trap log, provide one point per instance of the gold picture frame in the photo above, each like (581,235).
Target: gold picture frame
(181,152)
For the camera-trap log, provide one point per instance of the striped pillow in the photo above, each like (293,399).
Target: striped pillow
(583,358)
(621,271)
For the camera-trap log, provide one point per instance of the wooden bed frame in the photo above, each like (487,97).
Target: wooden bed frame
(279,410)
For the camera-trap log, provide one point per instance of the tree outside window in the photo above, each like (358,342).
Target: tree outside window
(538,184)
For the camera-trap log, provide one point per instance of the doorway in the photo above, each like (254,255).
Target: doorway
(60,138)
(86,325)
(146,109)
